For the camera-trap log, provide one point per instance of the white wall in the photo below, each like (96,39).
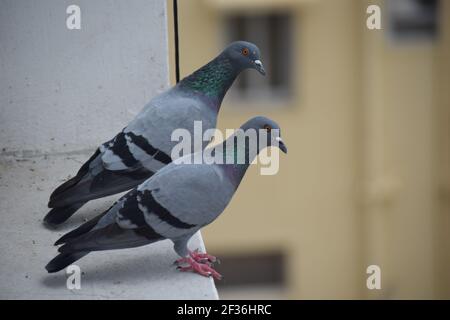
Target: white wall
(67,90)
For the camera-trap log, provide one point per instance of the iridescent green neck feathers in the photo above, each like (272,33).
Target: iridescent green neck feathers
(213,80)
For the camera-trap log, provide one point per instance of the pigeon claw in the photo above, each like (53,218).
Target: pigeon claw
(198,257)
(204,269)
(202,257)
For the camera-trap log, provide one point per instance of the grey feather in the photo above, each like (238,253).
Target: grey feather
(144,146)
(173,204)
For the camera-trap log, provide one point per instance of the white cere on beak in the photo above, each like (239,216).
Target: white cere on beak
(279,139)
(258,63)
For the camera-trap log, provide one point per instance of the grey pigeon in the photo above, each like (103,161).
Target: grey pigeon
(173,204)
(144,146)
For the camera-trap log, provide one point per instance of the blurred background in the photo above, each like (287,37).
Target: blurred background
(365,114)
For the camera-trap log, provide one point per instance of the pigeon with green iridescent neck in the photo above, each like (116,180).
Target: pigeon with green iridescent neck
(144,145)
(175,203)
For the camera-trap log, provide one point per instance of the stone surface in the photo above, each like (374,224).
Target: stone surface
(26,245)
(62,93)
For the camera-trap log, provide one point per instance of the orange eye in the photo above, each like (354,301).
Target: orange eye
(268,128)
(245,51)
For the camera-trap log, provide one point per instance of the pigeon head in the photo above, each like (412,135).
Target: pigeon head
(215,78)
(244,55)
(271,127)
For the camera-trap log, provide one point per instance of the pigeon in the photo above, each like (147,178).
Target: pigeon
(144,146)
(173,204)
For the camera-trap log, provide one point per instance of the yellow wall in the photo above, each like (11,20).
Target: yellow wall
(399,161)
(367,131)
(442,144)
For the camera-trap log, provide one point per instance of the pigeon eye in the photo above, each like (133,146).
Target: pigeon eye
(245,51)
(267,128)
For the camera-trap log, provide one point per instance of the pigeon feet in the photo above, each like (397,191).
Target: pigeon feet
(203,257)
(200,263)
(199,257)
(204,269)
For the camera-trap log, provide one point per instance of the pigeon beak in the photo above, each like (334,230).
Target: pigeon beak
(259,67)
(281,145)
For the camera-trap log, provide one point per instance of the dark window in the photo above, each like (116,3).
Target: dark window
(413,19)
(253,269)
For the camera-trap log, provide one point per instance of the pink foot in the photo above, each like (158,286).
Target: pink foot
(199,257)
(203,269)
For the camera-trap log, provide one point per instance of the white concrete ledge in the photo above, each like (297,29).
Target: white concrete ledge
(26,245)
(62,91)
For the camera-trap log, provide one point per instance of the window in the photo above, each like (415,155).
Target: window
(413,19)
(272,34)
(253,274)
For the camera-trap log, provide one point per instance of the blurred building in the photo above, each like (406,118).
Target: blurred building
(365,114)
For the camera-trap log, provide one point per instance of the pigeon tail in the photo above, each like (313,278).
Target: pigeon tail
(58,215)
(81,230)
(111,237)
(73,181)
(63,260)
(90,186)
